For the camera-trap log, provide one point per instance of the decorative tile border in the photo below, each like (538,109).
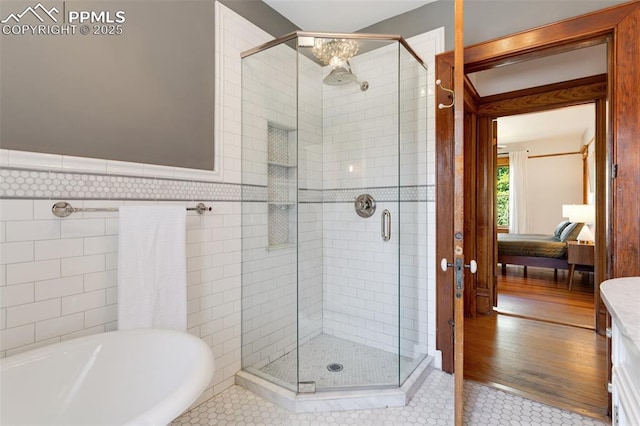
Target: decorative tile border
(22,183)
(385,194)
(25,183)
(253,193)
(310,195)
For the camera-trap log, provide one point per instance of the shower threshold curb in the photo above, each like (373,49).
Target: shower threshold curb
(342,400)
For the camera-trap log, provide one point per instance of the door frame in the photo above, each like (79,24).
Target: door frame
(618,204)
(588,90)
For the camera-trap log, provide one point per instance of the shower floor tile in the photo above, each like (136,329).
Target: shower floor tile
(432,405)
(362,365)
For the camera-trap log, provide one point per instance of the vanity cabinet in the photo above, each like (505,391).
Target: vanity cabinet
(622,298)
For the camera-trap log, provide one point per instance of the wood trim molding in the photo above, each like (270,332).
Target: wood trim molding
(542,98)
(502,161)
(444,218)
(596,81)
(617,203)
(559,154)
(471,96)
(576,32)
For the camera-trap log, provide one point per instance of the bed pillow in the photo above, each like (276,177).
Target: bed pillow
(570,233)
(560,228)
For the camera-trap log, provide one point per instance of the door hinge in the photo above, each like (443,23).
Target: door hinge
(614,171)
(616,416)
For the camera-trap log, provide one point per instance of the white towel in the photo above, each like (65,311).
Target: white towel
(152,273)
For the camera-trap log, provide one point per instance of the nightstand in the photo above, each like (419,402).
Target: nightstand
(579,254)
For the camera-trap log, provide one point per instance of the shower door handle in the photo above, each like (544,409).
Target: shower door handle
(385,225)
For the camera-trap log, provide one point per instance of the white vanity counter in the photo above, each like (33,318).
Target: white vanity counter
(622,298)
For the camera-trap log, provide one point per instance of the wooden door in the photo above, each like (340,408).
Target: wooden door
(618,229)
(459,213)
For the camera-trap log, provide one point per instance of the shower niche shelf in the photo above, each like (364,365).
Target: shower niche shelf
(281,186)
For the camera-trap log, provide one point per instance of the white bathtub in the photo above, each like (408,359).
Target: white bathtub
(132,377)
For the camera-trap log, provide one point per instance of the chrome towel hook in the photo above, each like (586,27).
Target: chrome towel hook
(453,95)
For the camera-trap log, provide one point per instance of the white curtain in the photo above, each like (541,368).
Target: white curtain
(518,220)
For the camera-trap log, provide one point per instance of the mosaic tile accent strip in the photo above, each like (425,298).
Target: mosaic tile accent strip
(254,193)
(389,194)
(310,195)
(432,405)
(415,193)
(350,194)
(409,193)
(363,365)
(24,183)
(21,183)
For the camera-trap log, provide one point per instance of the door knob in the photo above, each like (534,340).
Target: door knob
(444,265)
(473,265)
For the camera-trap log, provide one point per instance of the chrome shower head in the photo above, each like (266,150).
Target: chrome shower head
(340,76)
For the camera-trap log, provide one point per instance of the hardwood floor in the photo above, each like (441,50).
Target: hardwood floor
(560,365)
(538,295)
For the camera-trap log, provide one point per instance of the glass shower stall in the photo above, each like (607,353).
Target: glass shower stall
(334,212)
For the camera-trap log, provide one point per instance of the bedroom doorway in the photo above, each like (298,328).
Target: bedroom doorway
(526,356)
(616,204)
(545,164)
(531,352)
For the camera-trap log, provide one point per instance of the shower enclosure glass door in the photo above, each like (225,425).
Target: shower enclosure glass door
(334,212)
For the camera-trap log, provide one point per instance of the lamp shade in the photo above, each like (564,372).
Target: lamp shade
(581,213)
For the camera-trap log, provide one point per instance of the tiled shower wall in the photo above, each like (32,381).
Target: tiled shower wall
(362,155)
(343,267)
(271,296)
(58,277)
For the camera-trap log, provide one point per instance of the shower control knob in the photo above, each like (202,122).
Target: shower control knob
(365,205)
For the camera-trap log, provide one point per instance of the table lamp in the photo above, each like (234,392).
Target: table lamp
(581,213)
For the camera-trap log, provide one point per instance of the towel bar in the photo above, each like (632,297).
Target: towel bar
(64,209)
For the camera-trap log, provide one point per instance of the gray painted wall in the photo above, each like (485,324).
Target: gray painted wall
(143,96)
(262,15)
(147,96)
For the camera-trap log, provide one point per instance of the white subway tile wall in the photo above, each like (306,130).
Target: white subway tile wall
(74,290)
(347,278)
(269,305)
(428,45)
(58,277)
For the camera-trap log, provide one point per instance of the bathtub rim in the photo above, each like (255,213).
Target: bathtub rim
(164,410)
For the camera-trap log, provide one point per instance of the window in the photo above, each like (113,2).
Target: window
(502,193)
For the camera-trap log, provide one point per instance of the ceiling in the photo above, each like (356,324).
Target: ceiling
(341,15)
(565,66)
(571,123)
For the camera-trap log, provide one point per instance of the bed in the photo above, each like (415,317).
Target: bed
(541,250)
